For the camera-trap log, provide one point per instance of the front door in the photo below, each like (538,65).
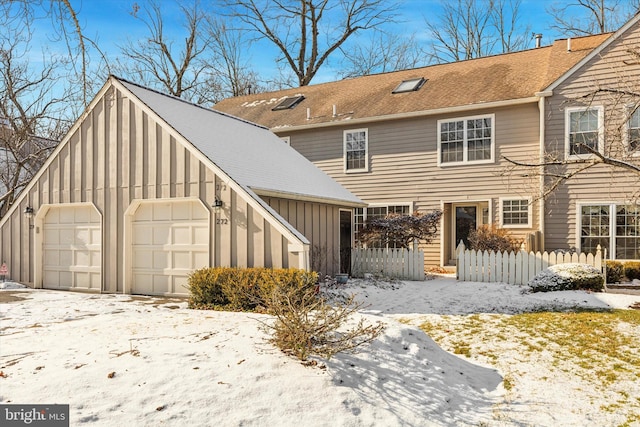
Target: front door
(465,223)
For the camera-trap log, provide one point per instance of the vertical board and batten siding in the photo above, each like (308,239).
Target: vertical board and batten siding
(601,184)
(117,154)
(319,223)
(403,164)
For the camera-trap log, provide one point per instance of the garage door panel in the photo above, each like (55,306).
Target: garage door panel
(68,216)
(200,259)
(161,259)
(179,244)
(66,257)
(161,212)
(181,258)
(181,235)
(67,236)
(143,259)
(181,211)
(161,234)
(200,235)
(72,248)
(143,235)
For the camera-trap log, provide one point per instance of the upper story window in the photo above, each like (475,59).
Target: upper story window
(466,140)
(583,128)
(356,158)
(633,132)
(515,213)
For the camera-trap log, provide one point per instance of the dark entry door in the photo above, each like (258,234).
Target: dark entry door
(465,223)
(345,242)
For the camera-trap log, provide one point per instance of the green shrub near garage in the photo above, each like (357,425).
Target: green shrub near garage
(244,289)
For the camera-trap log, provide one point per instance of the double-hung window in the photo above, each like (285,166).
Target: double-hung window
(515,213)
(633,133)
(583,130)
(615,227)
(466,140)
(356,144)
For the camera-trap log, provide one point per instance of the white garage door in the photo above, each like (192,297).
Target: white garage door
(72,248)
(170,239)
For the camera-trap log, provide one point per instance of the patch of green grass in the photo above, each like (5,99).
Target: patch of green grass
(600,346)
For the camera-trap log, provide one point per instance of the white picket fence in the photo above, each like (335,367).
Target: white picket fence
(514,268)
(406,264)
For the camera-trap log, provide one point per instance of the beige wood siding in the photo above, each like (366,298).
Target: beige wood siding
(319,223)
(607,70)
(116,154)
(403,164)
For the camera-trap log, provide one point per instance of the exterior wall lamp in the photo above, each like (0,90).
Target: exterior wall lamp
(217,205)
(28,212)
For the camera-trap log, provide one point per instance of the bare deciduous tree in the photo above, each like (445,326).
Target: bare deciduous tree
(231,74)
(469,29)
(33,103)
(156,61)
(307,32)
(585,17)
(383,52)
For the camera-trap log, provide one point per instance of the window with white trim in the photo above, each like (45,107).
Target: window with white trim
(515,213)
(362,215)
(615,227)
(633,132)
(466,140)
(583,128)
(356,150)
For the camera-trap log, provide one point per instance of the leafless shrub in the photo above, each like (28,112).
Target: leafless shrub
(305,324)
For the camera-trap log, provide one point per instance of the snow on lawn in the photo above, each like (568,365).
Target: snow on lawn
(121,360)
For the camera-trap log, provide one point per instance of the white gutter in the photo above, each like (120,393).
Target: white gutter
(307,198)
(413,114)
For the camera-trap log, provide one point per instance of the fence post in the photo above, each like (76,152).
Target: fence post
(460,261)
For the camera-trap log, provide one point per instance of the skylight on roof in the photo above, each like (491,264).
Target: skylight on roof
(288,103)
(410,85)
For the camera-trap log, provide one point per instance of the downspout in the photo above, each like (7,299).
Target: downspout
(541,211)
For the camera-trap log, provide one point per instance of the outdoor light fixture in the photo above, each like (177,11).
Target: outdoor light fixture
(217,205)
(28,211)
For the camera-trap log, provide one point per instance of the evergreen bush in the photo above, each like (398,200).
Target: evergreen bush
(570,276)
(615,271)
(632,270)
(243,289)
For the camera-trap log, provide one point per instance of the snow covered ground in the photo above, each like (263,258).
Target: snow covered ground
(121,360)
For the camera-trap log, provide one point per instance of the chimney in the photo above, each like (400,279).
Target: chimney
(538,40)
(569,44)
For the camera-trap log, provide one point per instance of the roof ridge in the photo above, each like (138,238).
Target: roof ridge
(176,98)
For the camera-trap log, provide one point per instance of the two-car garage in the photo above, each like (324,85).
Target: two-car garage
(168,239)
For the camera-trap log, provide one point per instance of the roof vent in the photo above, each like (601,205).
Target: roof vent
(288,103)
(410,85)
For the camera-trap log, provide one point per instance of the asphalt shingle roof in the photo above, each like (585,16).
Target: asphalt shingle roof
(495,78)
